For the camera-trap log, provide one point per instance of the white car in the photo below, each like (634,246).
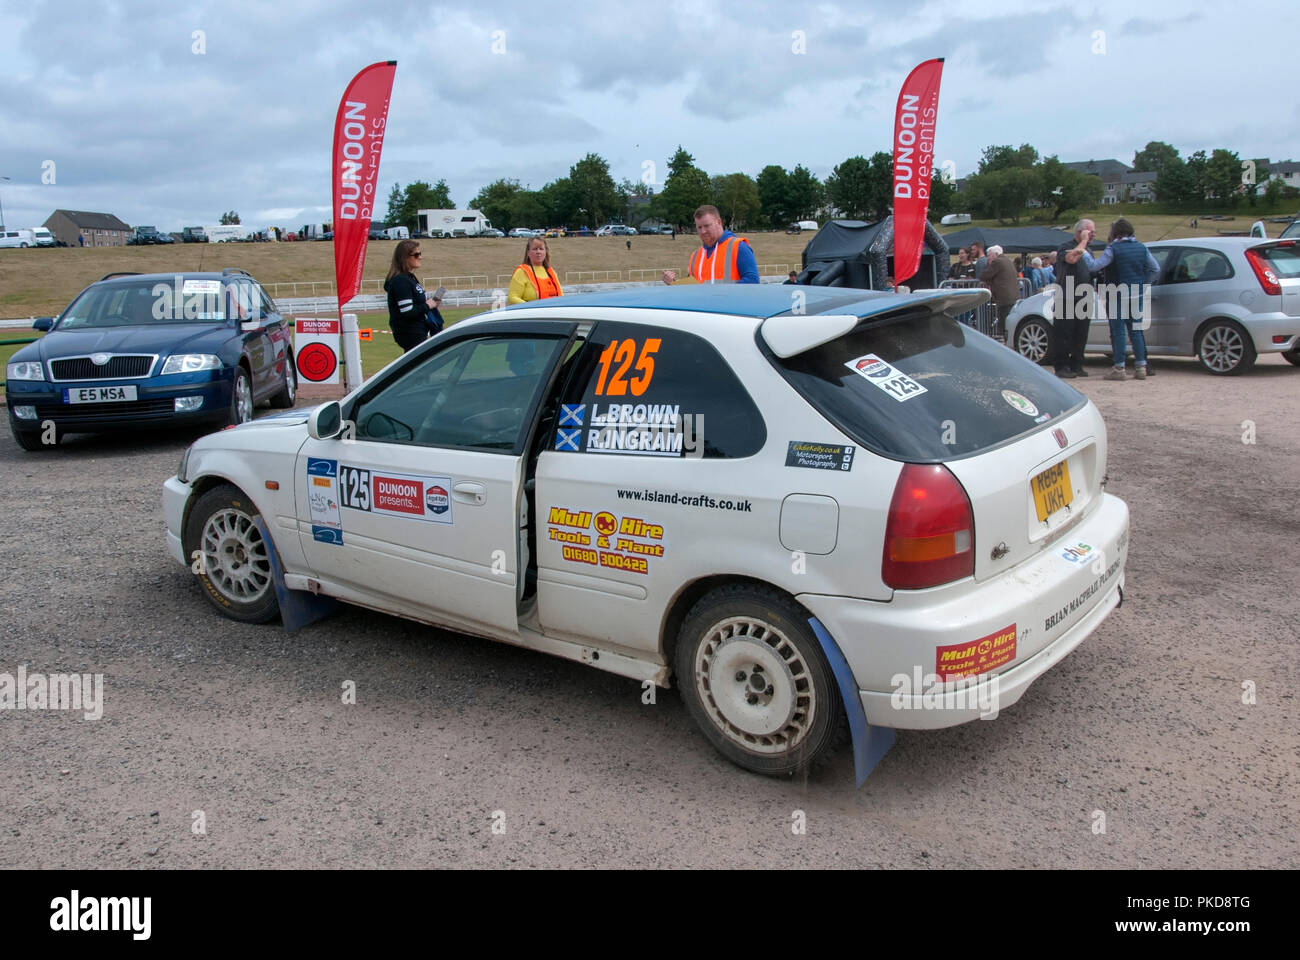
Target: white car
(834,514)
(522,233)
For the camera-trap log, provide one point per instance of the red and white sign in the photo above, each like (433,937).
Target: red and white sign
(914,125)
(316,349)
(358,142)
(398,494)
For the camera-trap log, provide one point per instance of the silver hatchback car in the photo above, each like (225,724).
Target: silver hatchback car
(1223,300)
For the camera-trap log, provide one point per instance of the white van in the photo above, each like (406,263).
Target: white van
(225,233)
(17,238)
(43,237)
(398,233)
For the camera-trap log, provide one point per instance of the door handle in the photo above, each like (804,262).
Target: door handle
(467,492)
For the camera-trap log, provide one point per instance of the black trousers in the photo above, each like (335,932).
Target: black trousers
(408,338)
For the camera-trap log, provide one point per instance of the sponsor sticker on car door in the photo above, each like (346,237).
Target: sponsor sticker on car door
(396,494)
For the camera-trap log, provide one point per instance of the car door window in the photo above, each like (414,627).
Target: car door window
(1164,257)
(654,391)
(477,393)
(1195,266)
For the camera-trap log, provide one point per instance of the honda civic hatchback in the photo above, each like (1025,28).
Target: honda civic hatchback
(824,514)
(151,350)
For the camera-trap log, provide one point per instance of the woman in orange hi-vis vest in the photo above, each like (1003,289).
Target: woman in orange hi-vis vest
(534,279)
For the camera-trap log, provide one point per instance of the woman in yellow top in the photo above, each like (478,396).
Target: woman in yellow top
(534,279)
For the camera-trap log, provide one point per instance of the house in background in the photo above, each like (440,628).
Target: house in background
(77,227)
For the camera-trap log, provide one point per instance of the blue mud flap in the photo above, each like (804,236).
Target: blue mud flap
(298,608)
(870,744)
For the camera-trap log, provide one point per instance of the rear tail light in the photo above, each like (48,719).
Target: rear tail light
(1264,273)
(930,534)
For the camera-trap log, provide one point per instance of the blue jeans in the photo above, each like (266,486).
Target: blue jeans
(1117,328)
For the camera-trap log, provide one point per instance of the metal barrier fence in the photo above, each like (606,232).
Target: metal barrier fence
(644,274)
(772,269)
(593,276)
(983,318)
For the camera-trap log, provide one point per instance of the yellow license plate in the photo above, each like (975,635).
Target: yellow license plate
(1052,490)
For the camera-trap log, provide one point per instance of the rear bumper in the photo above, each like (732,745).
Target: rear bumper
(936,658)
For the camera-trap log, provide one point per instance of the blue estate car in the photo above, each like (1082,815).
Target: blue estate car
(140,350)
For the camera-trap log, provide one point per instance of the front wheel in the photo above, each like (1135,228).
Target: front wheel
(1033,339)
(34,441)
(755,681)
(230,557)
(1225,349)
(1292,356)
(241,399)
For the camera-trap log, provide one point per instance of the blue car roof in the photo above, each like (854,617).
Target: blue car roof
(758,301)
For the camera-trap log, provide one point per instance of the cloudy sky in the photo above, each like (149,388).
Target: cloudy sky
(132,112)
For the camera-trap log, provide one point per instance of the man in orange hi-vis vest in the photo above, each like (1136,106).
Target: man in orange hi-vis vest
(723,258)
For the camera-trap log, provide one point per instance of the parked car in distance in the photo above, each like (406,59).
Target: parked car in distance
(146,236)
(193,235)
(649,231)
(1223,300)
(151,350)
(491,232)
(622,230)
(521,233)
(1291,231)
(799,226)
(554,232)
(376,233)
(532,476)
(605,231)
(952,219)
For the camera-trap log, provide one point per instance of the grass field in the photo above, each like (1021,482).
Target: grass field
(40,282)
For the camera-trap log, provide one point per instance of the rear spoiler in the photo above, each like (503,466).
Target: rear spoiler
(790,334)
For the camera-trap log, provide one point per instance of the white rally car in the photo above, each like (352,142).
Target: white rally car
(827,512)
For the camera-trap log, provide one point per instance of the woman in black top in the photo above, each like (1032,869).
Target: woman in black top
(411,314)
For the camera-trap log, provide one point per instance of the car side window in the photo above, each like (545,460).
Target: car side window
(1201,265)
(477,393)
(1162,256)
(652,391)
(268,305)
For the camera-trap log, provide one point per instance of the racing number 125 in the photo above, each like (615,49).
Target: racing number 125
(620,354)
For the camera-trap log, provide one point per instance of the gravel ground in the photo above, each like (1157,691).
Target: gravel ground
(1143,725)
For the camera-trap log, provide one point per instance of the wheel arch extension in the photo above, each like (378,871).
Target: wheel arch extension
(690,594)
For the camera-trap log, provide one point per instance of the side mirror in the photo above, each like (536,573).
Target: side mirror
(325,421)
(43,324)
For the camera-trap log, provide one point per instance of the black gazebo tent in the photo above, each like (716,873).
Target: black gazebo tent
(854,253)
(1014,239)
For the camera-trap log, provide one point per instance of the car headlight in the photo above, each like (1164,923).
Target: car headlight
(185,465)
(191,363)
(24,370)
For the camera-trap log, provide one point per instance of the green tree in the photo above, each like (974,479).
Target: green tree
(882,185)
(774,196)
(595,196)
(526,210)
(685,190)
(1058,188)
(419,195)
(805,192)
(1003,193)
(559,202)
(849,188)
(1223,175)
(496,201)
(1196,165)
(1004,157)
(736,195)
(1176,183)
(394,215)
(943,196)
(1154,157)
(230,217)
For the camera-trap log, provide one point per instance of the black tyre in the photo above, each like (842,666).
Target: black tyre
(1033,339)
(755,681)
(241,399)
(1225,349)
(289,392)
(230,557)
(1292,357)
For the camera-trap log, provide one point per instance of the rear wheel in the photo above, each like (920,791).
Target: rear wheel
(1225,349)
(230,557)
(289,392)
(1033,339)
(1292,356)
(755,681)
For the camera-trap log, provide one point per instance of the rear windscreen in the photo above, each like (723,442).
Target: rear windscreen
(923,387)
(1285,261)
